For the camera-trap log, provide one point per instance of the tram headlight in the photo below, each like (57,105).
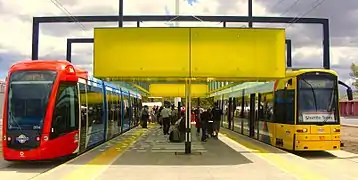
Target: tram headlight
(302,130)
(336,130)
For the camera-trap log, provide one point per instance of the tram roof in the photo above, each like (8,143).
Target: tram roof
(251,87)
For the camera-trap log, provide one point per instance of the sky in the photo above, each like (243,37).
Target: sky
(16,27)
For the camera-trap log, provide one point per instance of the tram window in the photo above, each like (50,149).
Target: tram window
(284,106)
(290,106)
(125,107)
(135,108)
(66,113)
(132,108)
(119,109)
(95,105)
(279,109)
(114,106)
(269,110)
(246,108)
(109,104)
(238,108)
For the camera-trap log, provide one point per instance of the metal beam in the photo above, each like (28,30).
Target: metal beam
(70,41)
(64,19)
(258,19)
(288,53)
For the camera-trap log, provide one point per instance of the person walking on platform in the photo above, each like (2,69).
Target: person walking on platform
(216,115)
(145,117)
(204,121)
(165,114)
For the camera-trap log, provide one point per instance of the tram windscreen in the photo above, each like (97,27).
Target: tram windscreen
(28,96)
(317,100)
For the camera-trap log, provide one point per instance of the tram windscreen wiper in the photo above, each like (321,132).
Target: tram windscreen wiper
(313,92)
(330,106)
(13,121)
(331,100)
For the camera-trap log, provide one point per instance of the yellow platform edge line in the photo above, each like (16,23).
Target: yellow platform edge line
(298,171)
(94,167)
(79,156)
(49,172)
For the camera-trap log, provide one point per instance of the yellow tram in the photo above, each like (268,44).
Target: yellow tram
(299,112)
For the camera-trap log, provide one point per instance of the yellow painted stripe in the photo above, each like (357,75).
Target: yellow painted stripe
(299,171)
(94,167)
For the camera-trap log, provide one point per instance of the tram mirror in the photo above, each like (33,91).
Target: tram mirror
(350,94)
(289,82)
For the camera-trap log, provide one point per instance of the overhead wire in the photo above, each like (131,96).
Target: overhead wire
(290,7)
(277,4)
(191,3)
(63,9)
(297,18)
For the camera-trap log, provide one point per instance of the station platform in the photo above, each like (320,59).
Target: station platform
(147,154)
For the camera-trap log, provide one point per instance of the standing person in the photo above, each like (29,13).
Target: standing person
(175,116)
(159,117)
(216,115)
(165,114)
(145,117)
(204,121)
(197,120)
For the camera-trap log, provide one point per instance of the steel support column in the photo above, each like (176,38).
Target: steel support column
(120,13)
(70,41)
(288,53)
(250,13)
(188,116)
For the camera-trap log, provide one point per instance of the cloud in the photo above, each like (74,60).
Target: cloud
(342,16)
(16,20)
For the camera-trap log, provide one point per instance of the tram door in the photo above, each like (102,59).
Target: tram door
(83,117)
(252,115)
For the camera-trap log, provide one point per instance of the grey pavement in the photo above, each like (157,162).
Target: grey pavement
(349,121)
(154,157)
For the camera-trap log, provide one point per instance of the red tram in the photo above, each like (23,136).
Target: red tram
(53,109)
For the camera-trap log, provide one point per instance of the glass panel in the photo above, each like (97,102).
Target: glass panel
(29,93)
(66,112)
(317,100)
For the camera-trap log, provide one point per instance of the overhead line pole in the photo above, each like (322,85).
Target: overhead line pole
(120,13)
(177,11)
(250,13)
